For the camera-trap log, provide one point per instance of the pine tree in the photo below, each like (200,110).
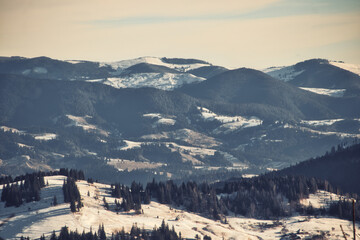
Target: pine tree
(72,206)
(101,232)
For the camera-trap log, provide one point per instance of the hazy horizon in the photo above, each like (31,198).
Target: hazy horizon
(232,34)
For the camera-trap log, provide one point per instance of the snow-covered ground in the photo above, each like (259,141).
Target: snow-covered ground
(130,145)
(79,121)
(45,136)
(326,122)
(37,136)
(339,134)
(283,73)
(12,130)
(189,136)
(37,218)
(164,81)
(160,119)
(355,68)
(326,91)
(123,164)
(230,123)
(321,199)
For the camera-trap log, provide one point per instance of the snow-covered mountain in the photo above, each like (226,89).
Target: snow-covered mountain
(117,117)
(164,81)
(324,77)
(178,64)
(161,73)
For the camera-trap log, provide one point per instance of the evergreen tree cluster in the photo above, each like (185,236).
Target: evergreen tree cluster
(340,166)
(29,190)
(195,198)
(344,209)
(131,197)
(266,197)
(75,174)
(6,180)
(72,194)
(161,233)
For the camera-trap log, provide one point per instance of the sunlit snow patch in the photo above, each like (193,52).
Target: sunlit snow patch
(161,119)
(326,91)
(285,73)
(40,70)
(326,122)
(321,199)
(164,81)
(230,123)
(74,61)
(78,121)
(12,130)
(130,145)
(45,136)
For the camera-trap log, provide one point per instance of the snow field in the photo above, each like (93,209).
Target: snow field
(160,119)
(82,122)
(12,130)
(164,81)
(326,122)
(339,134)
(36,218)
(45,136)
(229,123)
(283,73)
(326,91)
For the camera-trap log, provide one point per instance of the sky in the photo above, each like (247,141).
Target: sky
(230,33)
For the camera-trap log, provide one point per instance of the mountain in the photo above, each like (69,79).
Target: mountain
(138,132)
(321,76)
(248,86)
(47,68)
(148,68)
(237,121)
(27,101)
(161,73)
(340,167)
(207,71)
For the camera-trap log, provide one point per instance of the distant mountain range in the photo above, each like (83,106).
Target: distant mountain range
(171,117)
(335,78)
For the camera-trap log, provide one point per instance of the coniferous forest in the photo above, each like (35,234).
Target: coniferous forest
(161,233)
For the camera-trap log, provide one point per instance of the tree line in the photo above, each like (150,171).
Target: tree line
(162,233)
(27,189)
(73,173)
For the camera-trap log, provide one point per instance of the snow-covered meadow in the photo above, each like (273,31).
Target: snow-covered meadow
(37,218)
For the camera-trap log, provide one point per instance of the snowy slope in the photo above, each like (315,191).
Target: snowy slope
(164,81)
(160,80)
(326,91)
(160,119)
(121,65)
(283,73)
(229,123)
(34,219)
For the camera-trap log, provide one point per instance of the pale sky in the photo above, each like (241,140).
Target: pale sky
(230,33)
